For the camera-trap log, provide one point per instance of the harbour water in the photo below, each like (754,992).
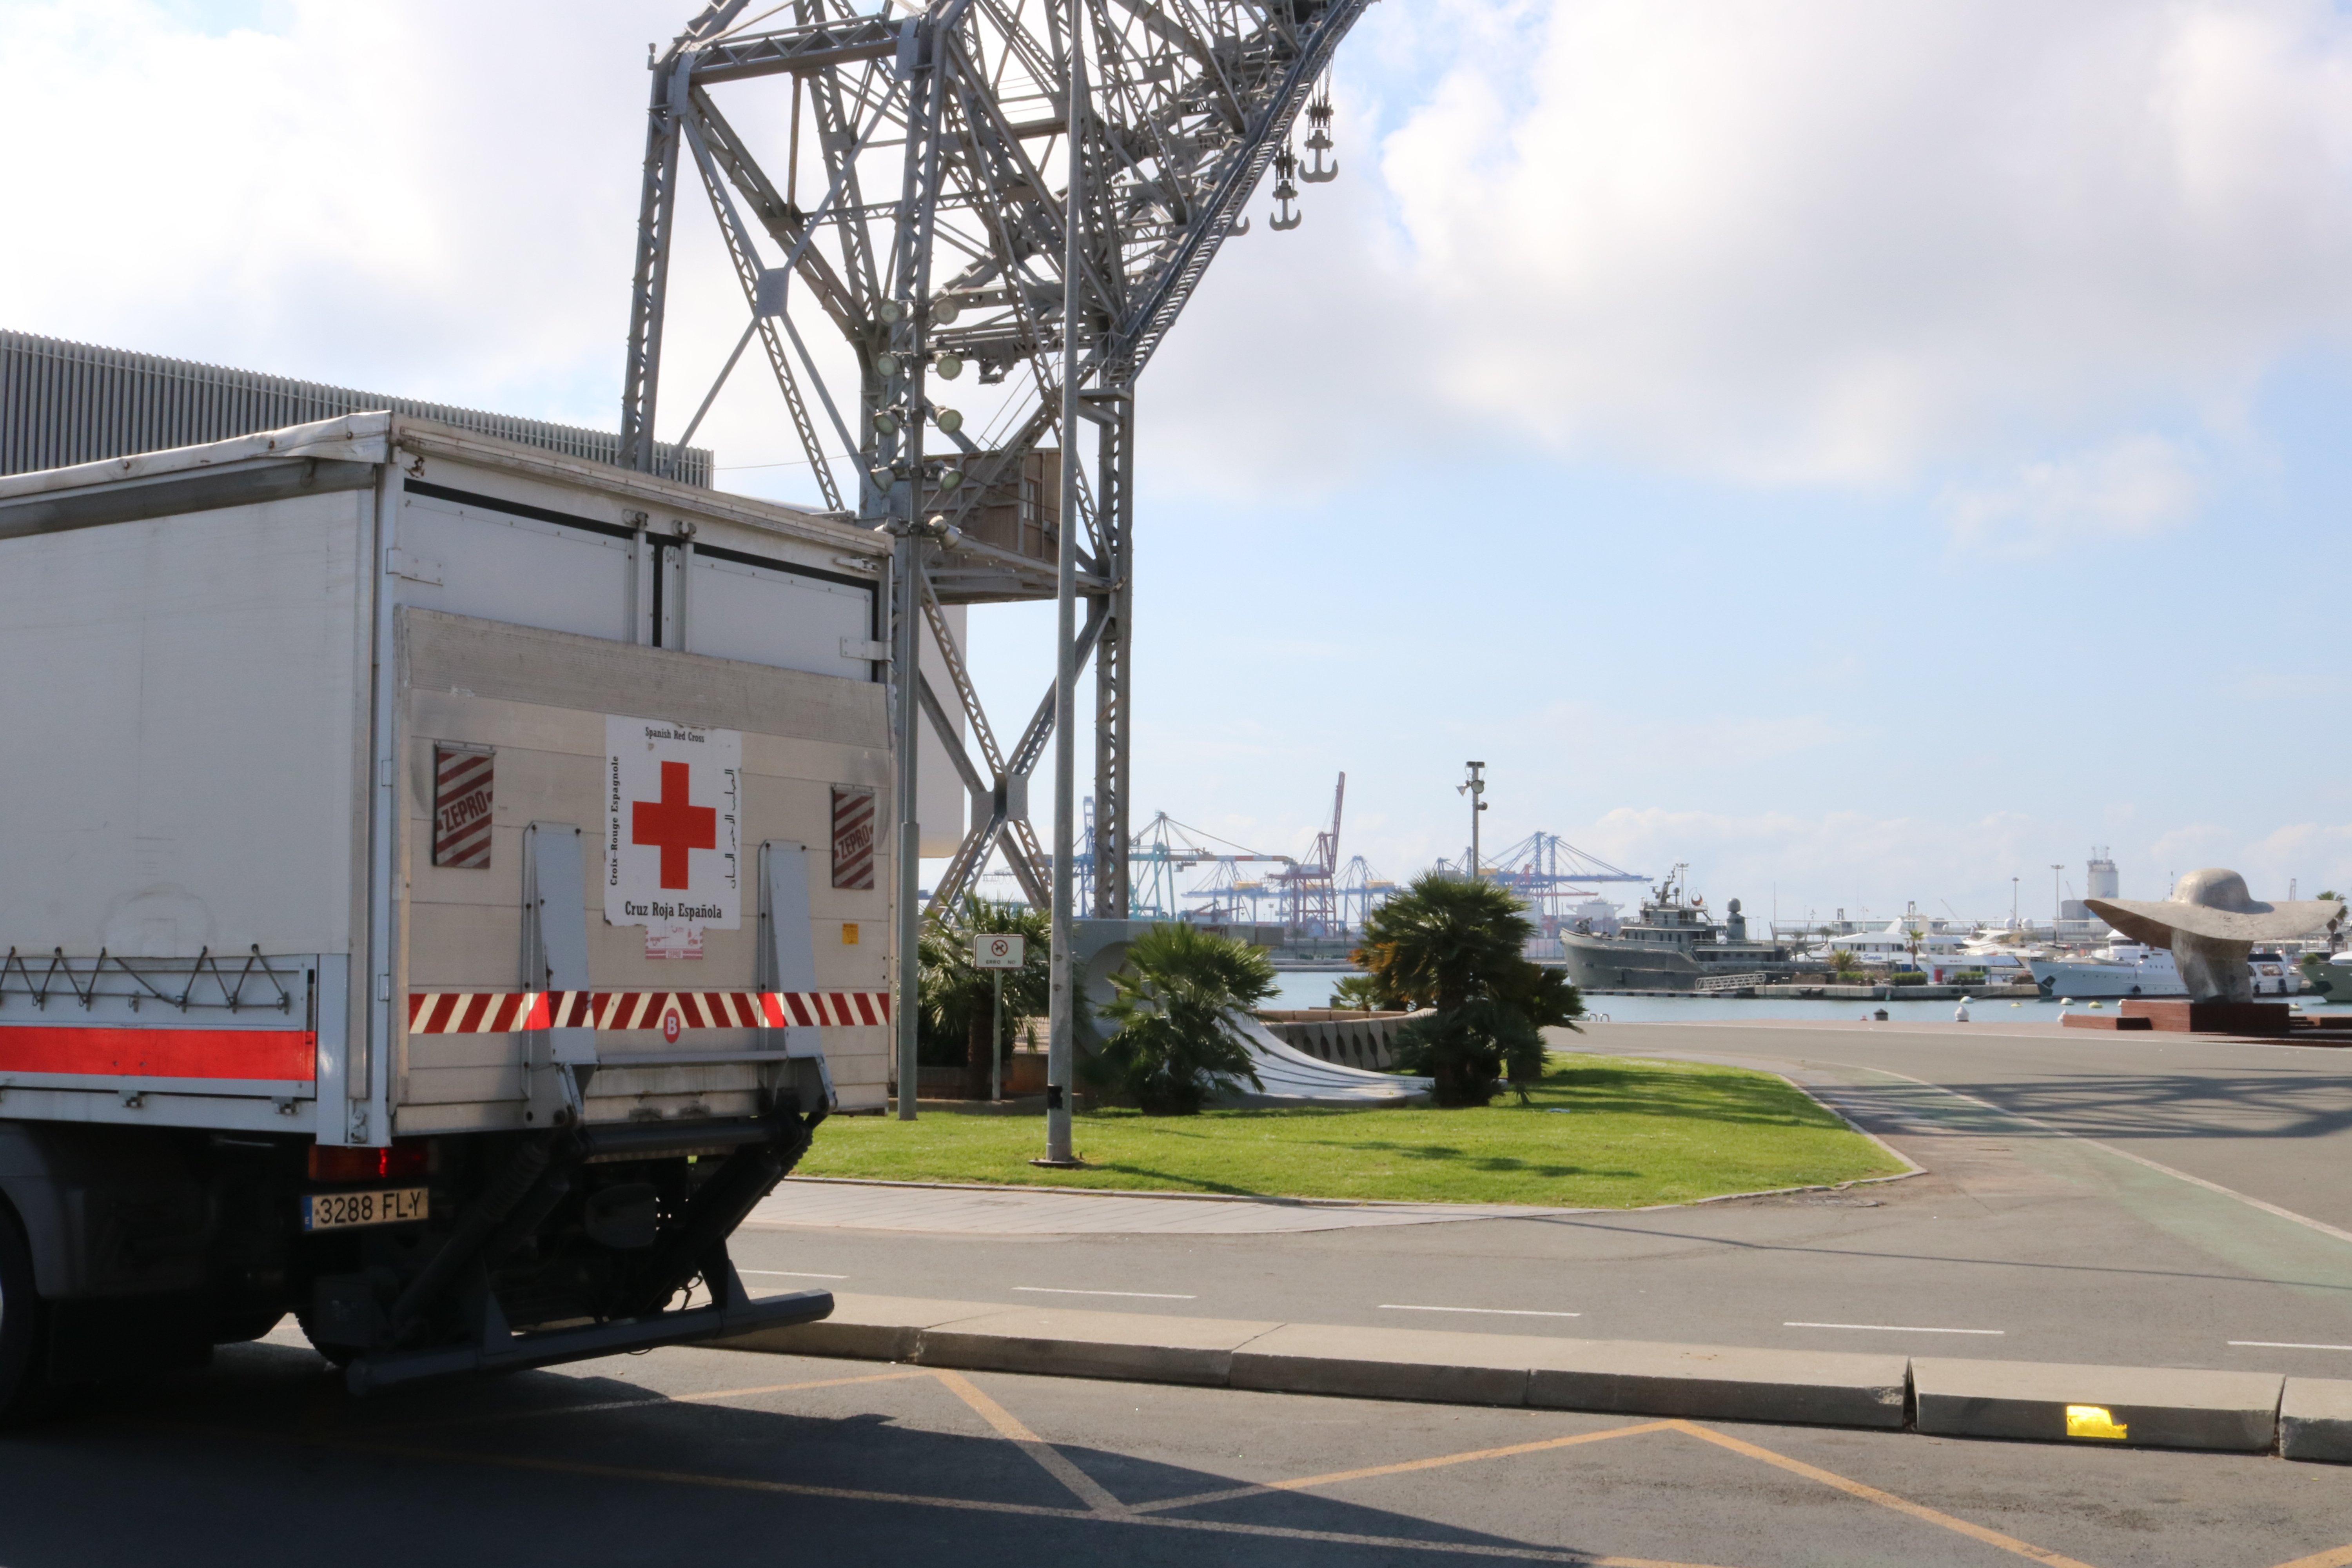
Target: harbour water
(1308,989)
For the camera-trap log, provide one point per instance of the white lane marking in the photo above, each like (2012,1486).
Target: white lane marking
(788,1274)
(2320,1225)
(1488,1312)
(2287,1345)
(1131,1295)
(1895,1329)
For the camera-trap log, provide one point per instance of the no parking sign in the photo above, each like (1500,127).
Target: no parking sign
(994,950)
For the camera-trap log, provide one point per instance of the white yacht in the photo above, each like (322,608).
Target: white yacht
(2130,968)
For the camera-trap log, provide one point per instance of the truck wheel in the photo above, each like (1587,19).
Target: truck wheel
(25,1392)
(338,1357)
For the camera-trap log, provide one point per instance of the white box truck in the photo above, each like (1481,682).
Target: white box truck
(433,874)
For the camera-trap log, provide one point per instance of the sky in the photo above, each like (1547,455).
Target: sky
(1866,453)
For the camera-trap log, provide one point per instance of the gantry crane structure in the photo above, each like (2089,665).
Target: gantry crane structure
(1545,869)
(1357,891)
(1166,847)
(1033,189)
(919,206)
(1307,903)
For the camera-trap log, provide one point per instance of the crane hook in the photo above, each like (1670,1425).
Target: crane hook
(1286,166)
(1319,139)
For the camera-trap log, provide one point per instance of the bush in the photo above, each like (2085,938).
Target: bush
(1458,948)
(958,999)
(1176,1038)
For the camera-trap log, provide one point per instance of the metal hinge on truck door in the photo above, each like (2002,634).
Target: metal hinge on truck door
(558,1063)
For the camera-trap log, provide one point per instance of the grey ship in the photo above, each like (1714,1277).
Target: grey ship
(1673,946)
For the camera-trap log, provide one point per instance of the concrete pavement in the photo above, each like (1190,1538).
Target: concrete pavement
(713,1456)
(2021,1242)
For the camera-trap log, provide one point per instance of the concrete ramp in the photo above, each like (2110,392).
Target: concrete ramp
(1291,1077)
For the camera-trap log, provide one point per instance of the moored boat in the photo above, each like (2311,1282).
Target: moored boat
(2129,969)
(1674,945)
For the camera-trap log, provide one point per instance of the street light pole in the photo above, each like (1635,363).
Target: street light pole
(2057,901)
(1475,788)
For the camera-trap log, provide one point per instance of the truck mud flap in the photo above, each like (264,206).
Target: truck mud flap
(739,1314)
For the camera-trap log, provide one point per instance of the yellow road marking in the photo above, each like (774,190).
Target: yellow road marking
(2335,1559)
(1303,1482)
(1884,1499)
(1052,1461)
(1103,1508)
(651,1399)
(1029,1510)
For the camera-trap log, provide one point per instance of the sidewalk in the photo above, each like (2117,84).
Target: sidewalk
(833,1203)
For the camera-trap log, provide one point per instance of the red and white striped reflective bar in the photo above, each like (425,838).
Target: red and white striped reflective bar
(502,1012)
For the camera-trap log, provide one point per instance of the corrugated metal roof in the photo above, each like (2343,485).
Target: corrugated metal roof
(63,403)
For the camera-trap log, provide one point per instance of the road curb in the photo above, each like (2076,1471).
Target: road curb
(2316,1420)
(2147,1407)
(2230,1412)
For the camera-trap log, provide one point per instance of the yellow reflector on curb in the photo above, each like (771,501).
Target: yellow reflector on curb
(2093,1421)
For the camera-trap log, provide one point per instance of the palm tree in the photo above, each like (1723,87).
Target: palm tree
(1843,962)
(958,998)
(1175,1012)
(1361,993)
(1459,948)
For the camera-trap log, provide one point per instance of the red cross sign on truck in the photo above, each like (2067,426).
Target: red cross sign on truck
(671,862)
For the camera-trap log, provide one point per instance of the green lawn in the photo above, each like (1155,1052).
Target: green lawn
(1637,1133)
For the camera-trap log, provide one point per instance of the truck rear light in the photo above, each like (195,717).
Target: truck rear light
(331,1163)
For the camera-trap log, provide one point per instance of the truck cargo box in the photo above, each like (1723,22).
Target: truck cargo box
(286,711)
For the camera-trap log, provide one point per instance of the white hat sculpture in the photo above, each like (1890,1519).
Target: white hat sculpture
(2212,923)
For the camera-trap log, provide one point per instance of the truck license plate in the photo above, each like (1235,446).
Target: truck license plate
(342,1211)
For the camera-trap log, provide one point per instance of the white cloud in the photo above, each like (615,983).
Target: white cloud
(438,198)
(1817,241)
(2130,486)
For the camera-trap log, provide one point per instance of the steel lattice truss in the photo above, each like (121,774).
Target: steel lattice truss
(916,198)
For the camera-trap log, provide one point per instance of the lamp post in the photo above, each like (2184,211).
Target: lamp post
(2012,903)
(2057,901)
(1475,787)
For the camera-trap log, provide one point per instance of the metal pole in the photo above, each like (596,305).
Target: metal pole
(911,278)
(1475,788)
(996,1042)
(1060,1017)
(907,593)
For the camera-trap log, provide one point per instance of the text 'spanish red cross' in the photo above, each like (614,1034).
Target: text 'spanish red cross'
(672,825)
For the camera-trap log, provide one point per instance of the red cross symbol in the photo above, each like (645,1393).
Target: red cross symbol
(673,825)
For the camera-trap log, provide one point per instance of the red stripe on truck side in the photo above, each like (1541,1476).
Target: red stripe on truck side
(279,1055)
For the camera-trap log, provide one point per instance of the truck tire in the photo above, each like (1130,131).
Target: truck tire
(25,1392)
(338,1356)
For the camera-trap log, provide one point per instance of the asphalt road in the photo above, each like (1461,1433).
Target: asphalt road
(2271,1121)
(2038,1240)
(708,1455)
